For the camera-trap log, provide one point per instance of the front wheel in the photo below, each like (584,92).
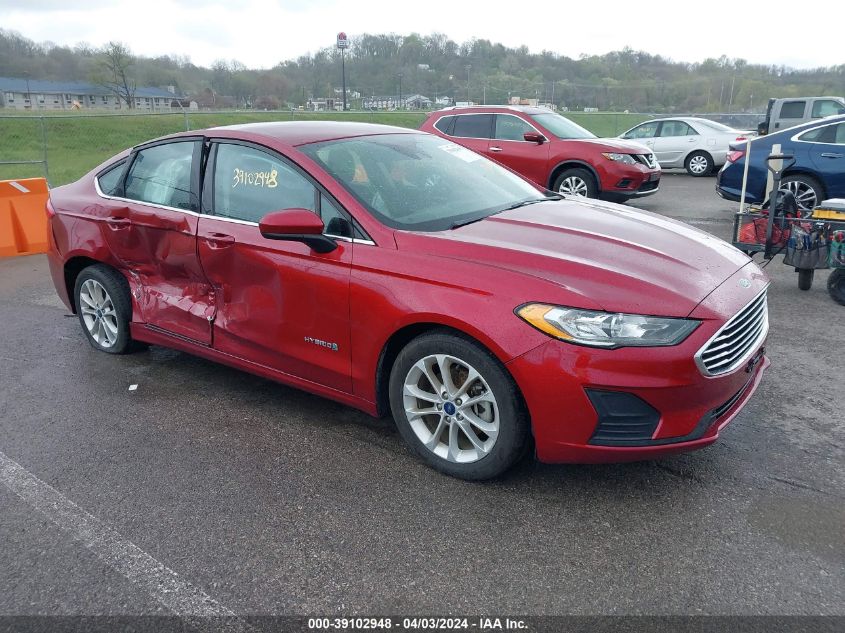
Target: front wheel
(104,307)
(699,164)
(576,182)
(457,407)
(836,285)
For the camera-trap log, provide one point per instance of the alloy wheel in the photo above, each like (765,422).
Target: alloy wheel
(574,186)
(451,408)
(98,313)
(804,194)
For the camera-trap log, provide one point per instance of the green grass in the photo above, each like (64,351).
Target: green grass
(77,144)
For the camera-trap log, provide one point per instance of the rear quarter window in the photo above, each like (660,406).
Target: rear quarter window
(444,124)
(109,180)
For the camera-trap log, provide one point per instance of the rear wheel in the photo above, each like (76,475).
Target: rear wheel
(576,182)
(457,407)
(699,164)
(836,285)
(104,308)
(805,278)
(807,190)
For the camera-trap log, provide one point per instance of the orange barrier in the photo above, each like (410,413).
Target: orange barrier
(23,217)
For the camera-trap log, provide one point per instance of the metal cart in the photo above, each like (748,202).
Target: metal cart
(757,230)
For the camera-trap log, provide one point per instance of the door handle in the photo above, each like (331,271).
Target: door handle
(832,155)
(219,240)
(117,223)
(495,149)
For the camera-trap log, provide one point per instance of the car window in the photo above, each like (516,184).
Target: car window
(826,134)
(443,123)
(420,182)
(162,175)
(249,183)
(676,128)
(334,220)
(473,125)
(826,107)
(511,128)
(109,180)
(646,130)
(792,110)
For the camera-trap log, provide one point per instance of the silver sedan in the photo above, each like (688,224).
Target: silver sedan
(698,145)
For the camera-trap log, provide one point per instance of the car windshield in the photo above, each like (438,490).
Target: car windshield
(421,182)
(561,126)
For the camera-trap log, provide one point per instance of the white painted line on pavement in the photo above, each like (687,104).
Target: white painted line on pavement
(161,582)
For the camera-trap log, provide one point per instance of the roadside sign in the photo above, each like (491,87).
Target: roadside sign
(342,41)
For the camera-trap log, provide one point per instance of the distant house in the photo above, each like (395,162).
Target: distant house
(392,102)
(35,94)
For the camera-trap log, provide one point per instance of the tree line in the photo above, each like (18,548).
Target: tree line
(435,66)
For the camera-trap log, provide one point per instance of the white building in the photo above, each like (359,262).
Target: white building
(35,94)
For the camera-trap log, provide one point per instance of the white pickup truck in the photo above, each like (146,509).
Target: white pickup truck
(784,113)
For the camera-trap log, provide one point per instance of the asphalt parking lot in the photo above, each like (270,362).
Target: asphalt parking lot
(267,500)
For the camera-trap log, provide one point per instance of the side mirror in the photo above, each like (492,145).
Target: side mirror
(534,137)
(297,225)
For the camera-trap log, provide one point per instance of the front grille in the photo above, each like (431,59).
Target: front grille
(646,159)
(651,185)
(738,338)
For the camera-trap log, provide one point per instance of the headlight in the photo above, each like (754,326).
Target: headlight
(606,329)
(619,158)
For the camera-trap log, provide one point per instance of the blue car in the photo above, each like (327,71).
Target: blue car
(818,173)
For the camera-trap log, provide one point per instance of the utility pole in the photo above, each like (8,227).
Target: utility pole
(343,44)
(399,105)
(468,67)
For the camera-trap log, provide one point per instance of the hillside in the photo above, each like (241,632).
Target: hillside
(434,65)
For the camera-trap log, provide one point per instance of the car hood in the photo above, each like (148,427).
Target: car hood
(618,145)
(596,254)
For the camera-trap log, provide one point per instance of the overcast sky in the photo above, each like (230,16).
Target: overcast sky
(262,33)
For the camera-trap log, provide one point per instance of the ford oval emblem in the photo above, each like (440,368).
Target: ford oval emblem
(744,283)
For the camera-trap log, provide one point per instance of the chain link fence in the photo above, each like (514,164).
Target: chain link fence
(62,148)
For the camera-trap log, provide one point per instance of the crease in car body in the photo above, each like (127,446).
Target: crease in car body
(420,318)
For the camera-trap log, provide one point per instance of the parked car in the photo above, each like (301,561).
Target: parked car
(697,145)
(397,272)
(786,113)
(550,150)
(818,172)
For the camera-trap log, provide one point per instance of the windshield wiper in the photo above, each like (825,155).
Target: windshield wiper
(525,203)
(457,225)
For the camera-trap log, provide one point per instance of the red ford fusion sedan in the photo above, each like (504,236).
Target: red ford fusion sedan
(399,273)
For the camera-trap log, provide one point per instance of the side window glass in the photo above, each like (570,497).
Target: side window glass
(646,130)
(511,128)
(473,125)
(826,134)
(792,110)
(443,124)
(676,128)
(840,134)
(334,221)
(249,183)
(110,179)
(162,175)
(826,108)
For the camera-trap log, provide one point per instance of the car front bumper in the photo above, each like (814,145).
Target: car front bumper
(575,393)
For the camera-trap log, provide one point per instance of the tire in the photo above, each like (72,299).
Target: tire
(104,308)
(576,182)
(699,164)
(836,285)
(807,190)
(805,278)
(496,418)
